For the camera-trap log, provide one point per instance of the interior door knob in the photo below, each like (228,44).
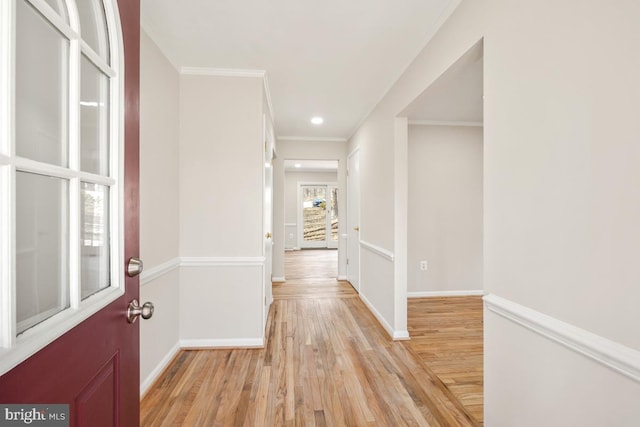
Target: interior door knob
(268,235)
(134,310)
(356,228)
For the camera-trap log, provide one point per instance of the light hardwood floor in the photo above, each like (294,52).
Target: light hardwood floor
(327,361)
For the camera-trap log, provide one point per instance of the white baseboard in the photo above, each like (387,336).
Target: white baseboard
(616,356)
(401,335)
(396,335)
(431,294)
(342,278)
(223,343)
(157,371)
(278,279)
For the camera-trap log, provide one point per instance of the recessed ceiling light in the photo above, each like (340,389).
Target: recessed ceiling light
(297,165)
(317,120)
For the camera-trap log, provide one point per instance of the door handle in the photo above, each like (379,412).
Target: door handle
(268,235)
(134,310)
(357,229)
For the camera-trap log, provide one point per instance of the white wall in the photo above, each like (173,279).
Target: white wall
(291,200)
(445,209)
(159,201)
(307,150)
(221,223)
(201,210)
(561,234)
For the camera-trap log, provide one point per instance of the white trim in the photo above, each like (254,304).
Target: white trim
(232,72)
(267,94)
(35,339)
(343,277)
(290,224)
(396,335)
(401,213)
(377,250)
(223,343)
(159,369)
(222,72)
(278,279)
(221,261)
(444,123)
(311,139)
(401,335)
(434,294)
(618,357)
(156,271)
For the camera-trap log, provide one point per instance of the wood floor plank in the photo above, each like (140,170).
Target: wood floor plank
(447,335)
(328,362)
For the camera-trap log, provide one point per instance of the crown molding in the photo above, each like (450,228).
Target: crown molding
(444,123)
(233,72)
(267,94)
(310,139)
(222,72)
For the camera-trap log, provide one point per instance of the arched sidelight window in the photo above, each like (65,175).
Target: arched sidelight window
(60,167)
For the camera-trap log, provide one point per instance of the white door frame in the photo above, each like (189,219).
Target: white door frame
(353,219)
(267,216)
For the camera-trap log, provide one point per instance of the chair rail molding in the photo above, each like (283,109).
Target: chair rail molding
(159,270)
(221,261)
(616,356)
(377,250)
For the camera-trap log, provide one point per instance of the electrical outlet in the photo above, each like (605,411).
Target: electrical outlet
(423,265)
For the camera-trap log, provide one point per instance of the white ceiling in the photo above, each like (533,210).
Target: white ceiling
(332,58)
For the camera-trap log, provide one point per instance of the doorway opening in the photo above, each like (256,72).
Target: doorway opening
(318,214)
(444,261)
(311,218)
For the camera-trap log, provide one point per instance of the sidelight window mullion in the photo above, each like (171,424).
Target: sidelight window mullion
(74,165)
(7,176)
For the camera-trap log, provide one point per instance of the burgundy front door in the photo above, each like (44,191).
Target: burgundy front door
(94,367)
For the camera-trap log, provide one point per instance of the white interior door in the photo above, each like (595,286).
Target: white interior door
(269,155)
(353,220)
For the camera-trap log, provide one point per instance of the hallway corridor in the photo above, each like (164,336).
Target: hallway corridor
(327,361)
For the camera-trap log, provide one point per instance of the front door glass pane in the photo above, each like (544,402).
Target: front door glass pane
(94,238)
(314,213)
(94,119)
(93,27)
(42,248)
(60,8)
(41,87)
